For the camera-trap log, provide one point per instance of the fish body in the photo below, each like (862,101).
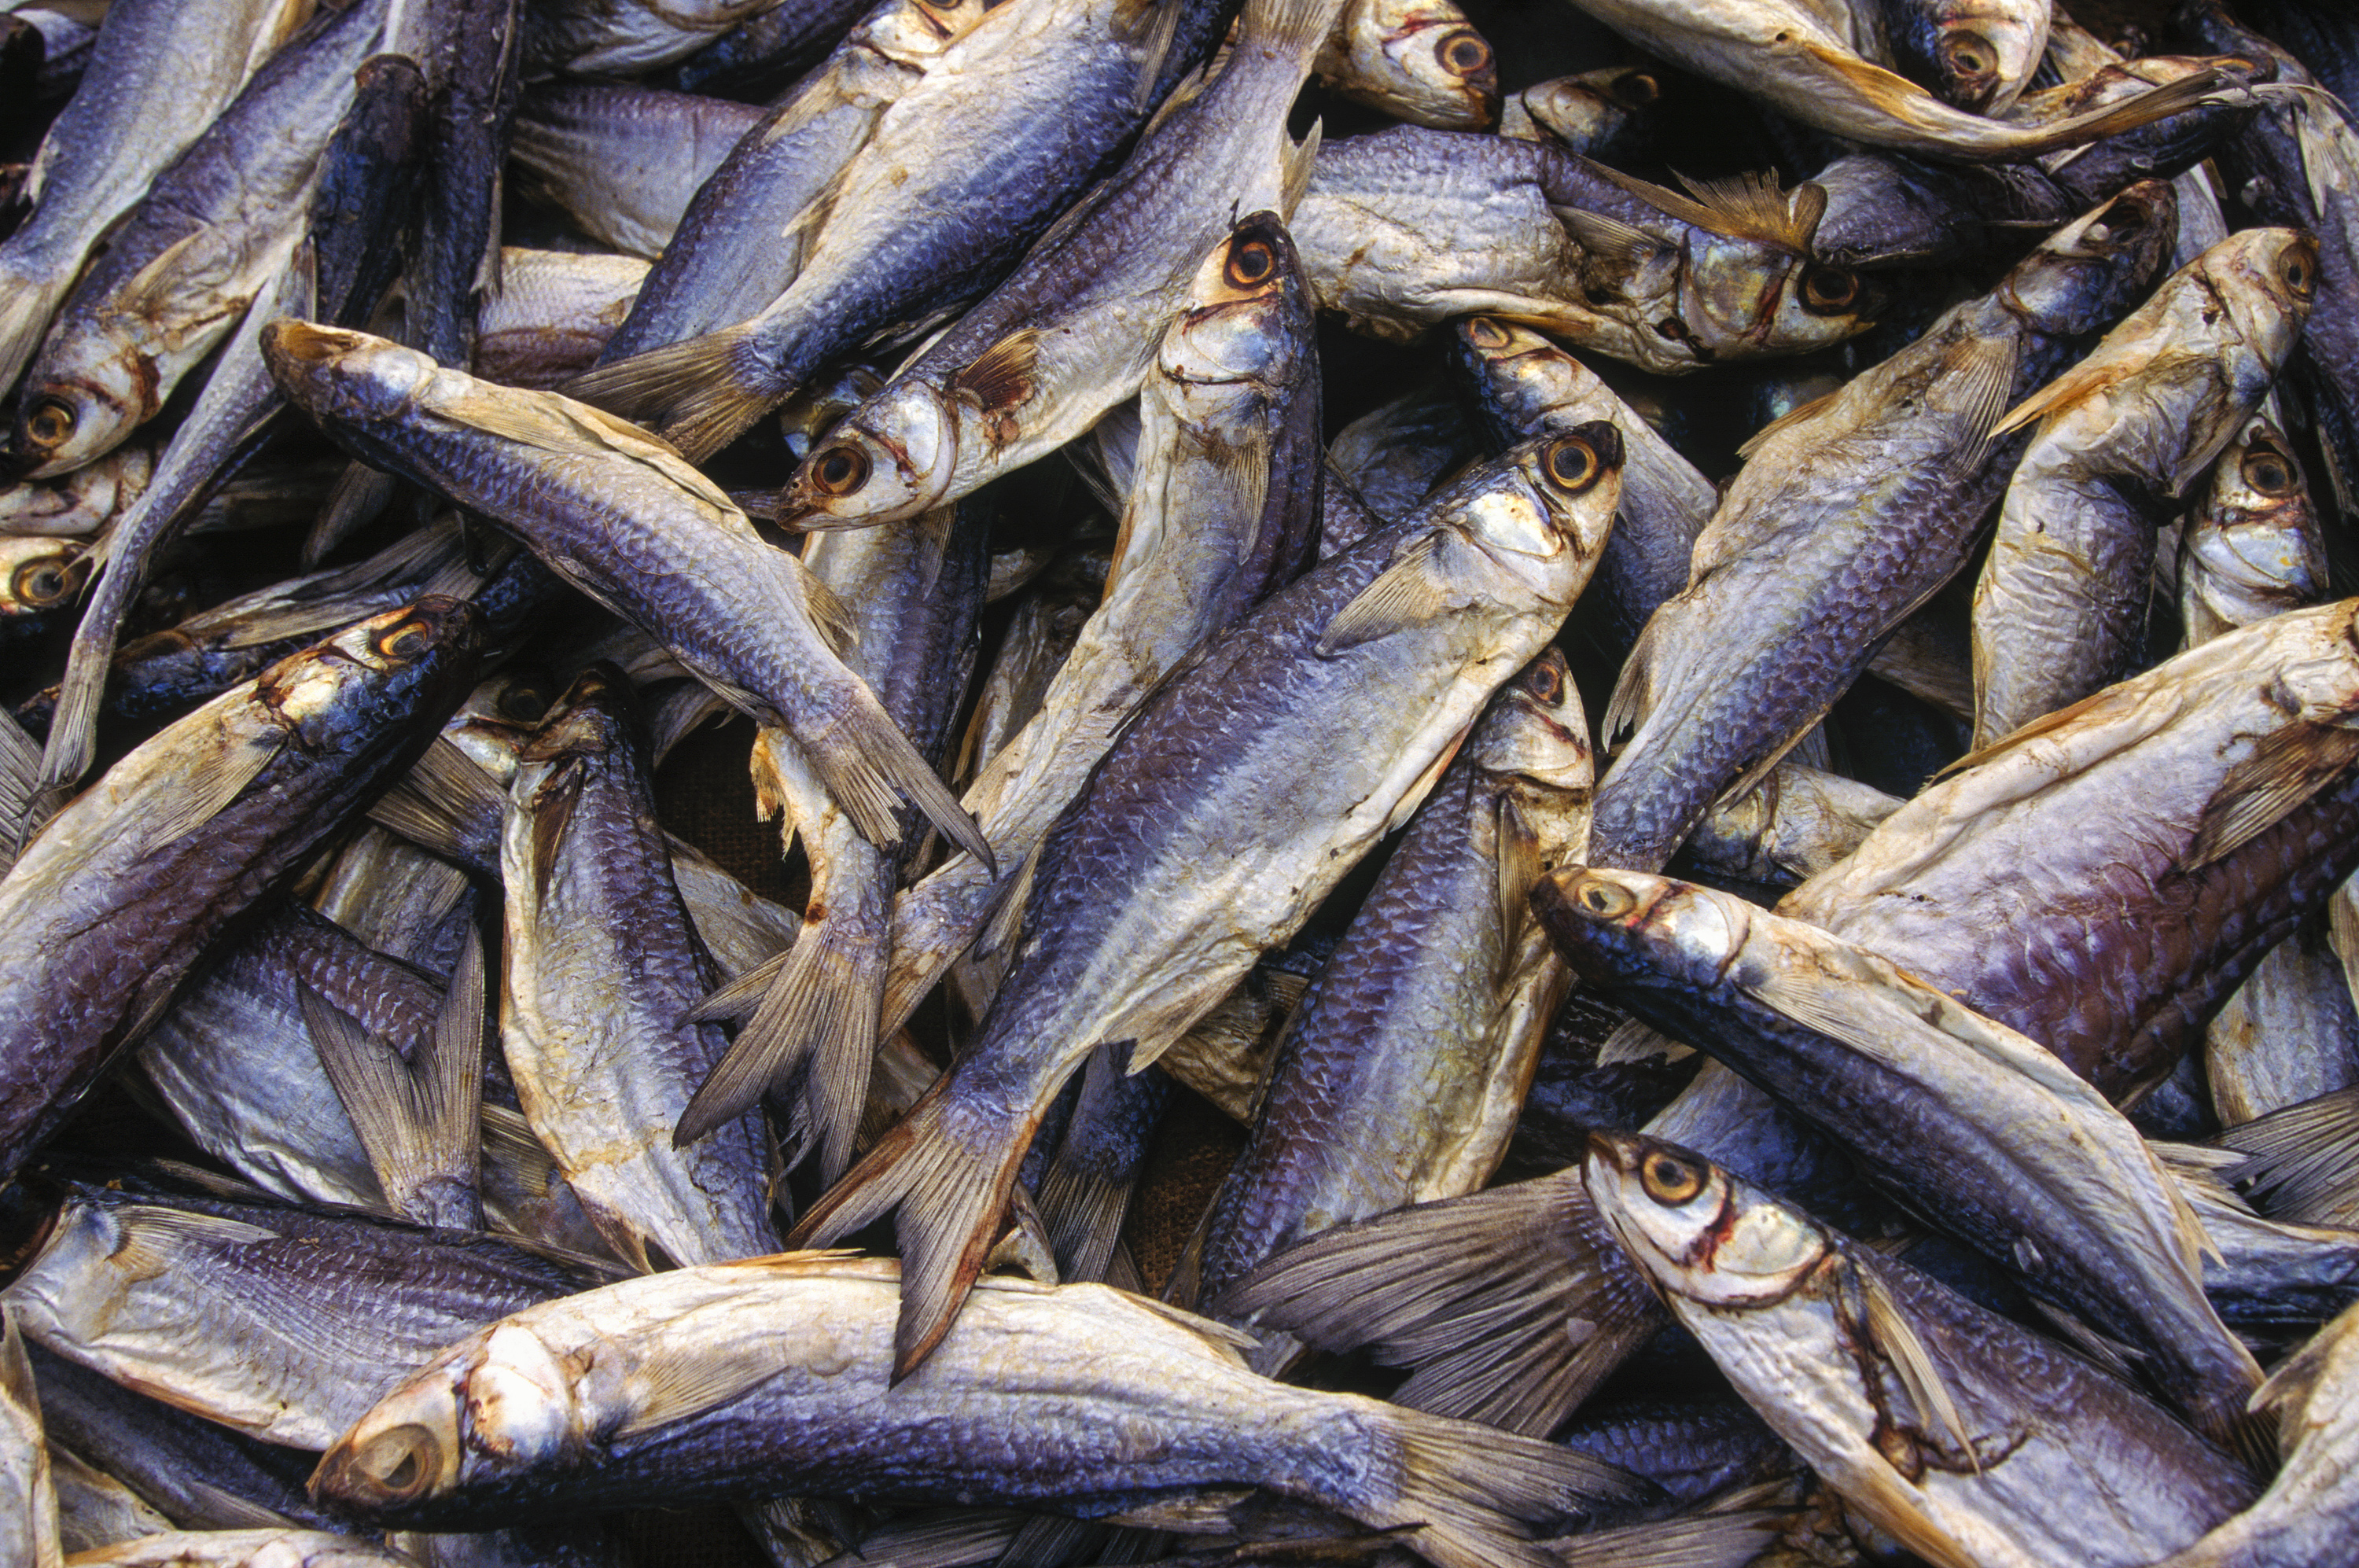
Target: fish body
(1975,55)
(82,503)
(1591,114)
(28,1526)
(246,1549)
(1843,520)
(1972,1442)
(624,37)
(1161,1404)
(554,314)
(1794,823)
(1263,770)
(2061,607)
(191,830)
(1397,1077)
(2254,548)
(622,162)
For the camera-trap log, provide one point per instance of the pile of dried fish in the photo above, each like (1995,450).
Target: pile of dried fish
(1222,1062)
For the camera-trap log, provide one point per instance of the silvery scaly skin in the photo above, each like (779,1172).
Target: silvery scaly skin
(1843,520)
(1074,329)
(765,55)
(2141,850)
(160,74)
(791,1388)
(1972,1442)
(1406,228)
(1792,826)
(620,517)
(126,889)
(2308,1514)
(621,161)
(1400,1075)
(1803,60)
(28,1502)
(1222,511)
(94,1510)
(279,1323)
(1416,59)
(1967,1122)
(601,966)
(1401,450)
(905,236)
(740,238)
(2289,1034)
(77,504)
(2061,604)
(624,37)
(246,1549)
(1525,386)
(2254,548)
(1261,772)
(918,588)
(210,235)
(553,315)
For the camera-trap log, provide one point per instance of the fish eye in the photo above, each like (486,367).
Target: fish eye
(1463,52)
(1669,1178)
(840,469)
(402,642)
(39,583)
(1827,290)
(51,422)
(527,703)
(399,1463)
(1573,464)
(2270,474)
(1607,900)
(1970,54)
(1485,332)
(1545,682)
(2297,271)
(1637,90)
(1250,264)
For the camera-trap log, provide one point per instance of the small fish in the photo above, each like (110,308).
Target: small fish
(2254,548)
(1416,59)
(84,502)
(2061,604)
(1162,1403)
(1973,1443)
(1592,113)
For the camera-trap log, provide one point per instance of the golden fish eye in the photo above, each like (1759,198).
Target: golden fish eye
(1485,332)
(1669,1178)
(1545,682)
(1968,54)
(51,423)
(1250,264)
(402,642)
(840,469)
(39,583)
(1574,465)
(1827,290)
(2270,474)
(1462,53)
(1637,90)
(400,1464)
(1607,900)
(2298,272)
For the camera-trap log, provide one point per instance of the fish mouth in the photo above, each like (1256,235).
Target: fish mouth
(297,342)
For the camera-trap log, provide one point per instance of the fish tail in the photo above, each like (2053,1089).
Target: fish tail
(1289,26)
(1733,1529)
(2206,86)
(869,768)
(945,1173)
(1480,1493)
(700,395)
(817,1017)
(1083,1212)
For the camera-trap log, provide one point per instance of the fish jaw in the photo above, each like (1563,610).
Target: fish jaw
(87,402)
(887,464)
(1703,1239)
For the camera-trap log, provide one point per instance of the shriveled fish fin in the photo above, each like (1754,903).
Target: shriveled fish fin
(1986,378)
(448,804)
(1283,25)
(1633,702)
(1001,376)
(700,395)
(1726,1534)
(2302,1163)
(836,620)
(2211,84)
(1408,592)
(1635,1040)
(1009,903)
(1520,870)
(673,1384)
(212,786)
(2091,375)
(2342,932)
(946,1187)
(1512,1304)
(453,1079)
(1155,23)
(2287,766)
(1894,1505)
(162,285)
(1301,159)
(158,1239)
(1913,1363)
(565,425)
(1222,1342)
(358,499)
(20,780)
(551,808)
(1478,1491)
(1787,422)
(869,768)
(2288,1387)
(1608,239)
(944,1537)
(226,1510)
(740,996)
(2046,725)
(1048,1541)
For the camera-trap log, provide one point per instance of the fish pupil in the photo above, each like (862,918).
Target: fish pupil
(1638,90)
(1466,54)
(2269,474)
(1250,264)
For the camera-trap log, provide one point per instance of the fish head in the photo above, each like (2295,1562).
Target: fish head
(889,459)
(492,1405)
(1587,112)
(2257,477)
(1519,376)
(598,714)
(371,675)
(2082,276)
(348,377)
(2266,279)
(1975,55)
(1745,297)
(1631,928)
(37,575)
(1416,59)
(1701,1235)
(1549,501)
(1535,729)
(1248,316)
(84,397)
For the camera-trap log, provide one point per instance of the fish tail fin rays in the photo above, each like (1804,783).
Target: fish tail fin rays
(946,1174)
(360,496)
(1083,1213)
(20,774)
(1290,27)
(818,1020)
(700,395)
(1479,1294)
(2250,1435)
(1480,1493)
(869,768)
(1728,1532)
(2302,1163)
(25,307)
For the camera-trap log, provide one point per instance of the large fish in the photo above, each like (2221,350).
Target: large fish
(1847,514)
(698,1391)
(622,162)
(1267,764)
